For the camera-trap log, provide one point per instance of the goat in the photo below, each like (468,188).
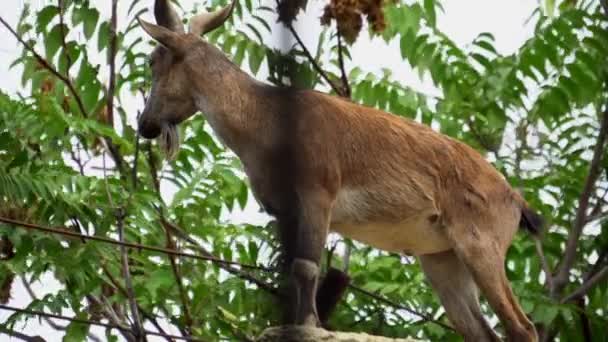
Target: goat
(319,162)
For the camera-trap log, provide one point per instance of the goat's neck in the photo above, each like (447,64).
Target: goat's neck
(227,98)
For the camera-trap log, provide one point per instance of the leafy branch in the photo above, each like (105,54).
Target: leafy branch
(43,62)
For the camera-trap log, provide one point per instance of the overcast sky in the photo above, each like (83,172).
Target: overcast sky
(462,21)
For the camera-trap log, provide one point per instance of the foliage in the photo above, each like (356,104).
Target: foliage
(534,113)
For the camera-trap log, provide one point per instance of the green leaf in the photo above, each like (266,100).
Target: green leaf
(54,40)
(89,20)
(103,37)
(256,56)
(76,331)
(45,16)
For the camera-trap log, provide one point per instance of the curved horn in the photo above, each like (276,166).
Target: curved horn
(206,22)
(167,17)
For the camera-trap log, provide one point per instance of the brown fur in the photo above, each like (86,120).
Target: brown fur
(318,162)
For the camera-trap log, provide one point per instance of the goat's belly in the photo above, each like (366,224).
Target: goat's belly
(413,236)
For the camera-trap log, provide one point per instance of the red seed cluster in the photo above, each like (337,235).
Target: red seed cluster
(348,15)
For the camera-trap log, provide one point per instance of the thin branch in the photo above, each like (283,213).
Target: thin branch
(562,275)
(587,285)
(596,216)
(66,232)
(140,336)
(68,58)
(112,63)
(180,285)
(314,63)
(112,315)
(346,91)
(144,313)
(135,159)
(33,296)
(386,301)
(585,323)
(544,263)
(239,273)
(21,336)
(48,67)
(90,322)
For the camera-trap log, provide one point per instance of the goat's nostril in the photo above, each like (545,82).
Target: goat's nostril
(148,130)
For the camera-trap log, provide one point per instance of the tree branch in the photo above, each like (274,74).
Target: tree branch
(386,301)
(48,67)
(239,273)
(139,335)
(146,314)
(314,63)
(63,42)
(112,64)
(346,91)
(544,263)
(561,278)
(21,336)
(180,285)
(587,285)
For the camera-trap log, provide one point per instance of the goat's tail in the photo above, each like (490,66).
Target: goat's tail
(531,220)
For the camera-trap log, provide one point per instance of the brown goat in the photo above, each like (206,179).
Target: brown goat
(319,163)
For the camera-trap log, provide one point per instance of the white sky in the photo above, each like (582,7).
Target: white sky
(462,21)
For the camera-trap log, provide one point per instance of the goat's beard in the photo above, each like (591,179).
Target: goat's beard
(169,141)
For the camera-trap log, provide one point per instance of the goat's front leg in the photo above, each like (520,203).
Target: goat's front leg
(304,245)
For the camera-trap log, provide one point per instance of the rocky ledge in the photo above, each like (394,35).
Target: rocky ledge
(310,334)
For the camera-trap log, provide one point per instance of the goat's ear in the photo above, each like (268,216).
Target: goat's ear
(205,22)
(164,36)
(166,16)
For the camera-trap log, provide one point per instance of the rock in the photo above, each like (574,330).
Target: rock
(310,334)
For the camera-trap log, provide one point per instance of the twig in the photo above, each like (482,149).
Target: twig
(112,64)
(20,336)
(562,275)
(314,63)
(144,313)
(386,301)
(135,159)
(587,285)
(544,263)
(63,42)
(139,335)
(180,285)
(346,91)
(596,216)
(112,315)
(66,232)
(29,290)
(240,273)
(90,322)
(48,66)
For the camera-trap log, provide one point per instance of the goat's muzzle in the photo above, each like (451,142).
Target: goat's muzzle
(148,129)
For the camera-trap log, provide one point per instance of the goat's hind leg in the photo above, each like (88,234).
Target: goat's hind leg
(458,294)
(483,253)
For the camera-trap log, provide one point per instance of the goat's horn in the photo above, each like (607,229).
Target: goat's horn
(206,22)
(167,17)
